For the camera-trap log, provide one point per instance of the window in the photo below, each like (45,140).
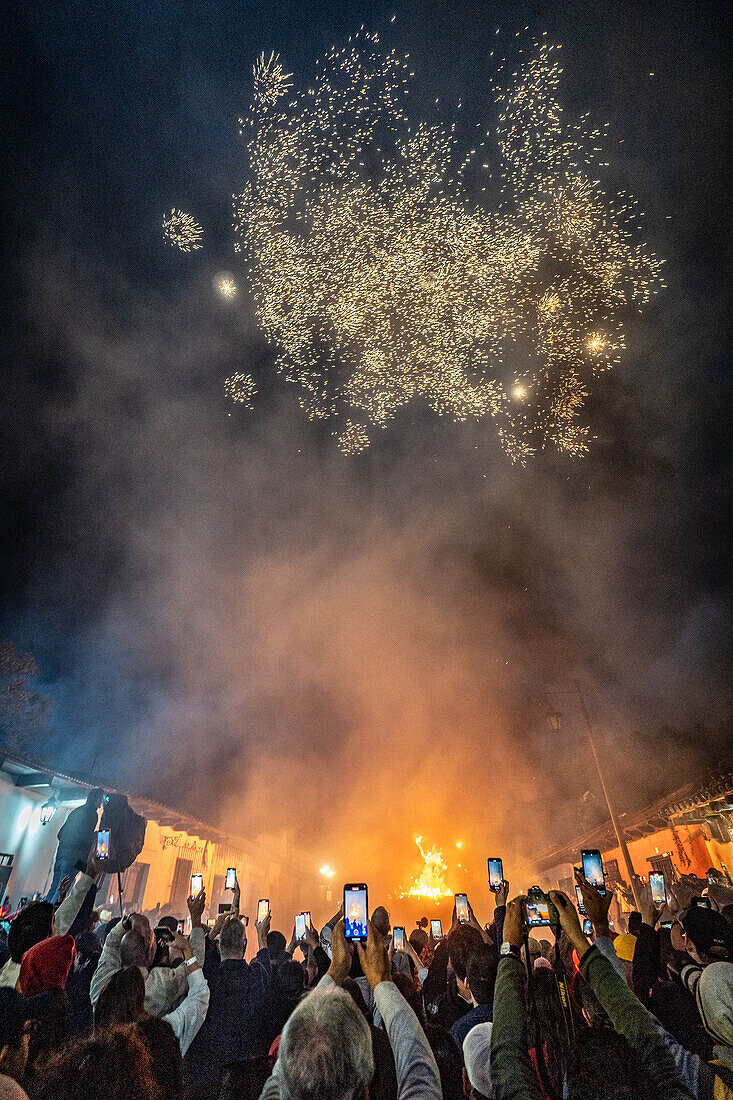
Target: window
(133,885)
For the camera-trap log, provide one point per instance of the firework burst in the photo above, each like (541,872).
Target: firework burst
(270,82)
(182,231)
(241,389)
(381,282)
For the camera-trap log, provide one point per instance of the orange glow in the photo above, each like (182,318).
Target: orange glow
(431,882)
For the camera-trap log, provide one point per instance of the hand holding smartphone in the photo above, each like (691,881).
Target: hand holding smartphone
(592,863)
(496,875)
(103,844)
(355,912)
(659,890)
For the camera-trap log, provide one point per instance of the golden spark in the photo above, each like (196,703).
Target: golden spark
(380,281)
(241,389)
(182,231)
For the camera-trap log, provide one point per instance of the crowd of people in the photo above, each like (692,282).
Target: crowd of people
(127,1008)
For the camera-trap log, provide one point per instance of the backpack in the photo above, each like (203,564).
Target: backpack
(126,832)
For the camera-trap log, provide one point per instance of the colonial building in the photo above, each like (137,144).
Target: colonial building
(685,832)
(35,802)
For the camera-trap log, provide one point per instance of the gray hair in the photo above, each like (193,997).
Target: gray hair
(325,1049)
(233,940)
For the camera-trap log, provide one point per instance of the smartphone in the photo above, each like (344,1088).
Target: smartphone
(103,844)
(659,891)
(581,903)
(703,903)
(197,884)
(496,875)
(299,926)
(592,863)
(307,916)
(436,929)
(181,927)
(398,938)
(587,927)
(263,908)
(231,881)
(211,922)
(462,908)
(356,910)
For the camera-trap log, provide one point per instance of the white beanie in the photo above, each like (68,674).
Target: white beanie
(714,997)
(477,1057)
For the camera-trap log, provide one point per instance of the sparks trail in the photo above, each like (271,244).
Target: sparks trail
(380,282)
(182,231)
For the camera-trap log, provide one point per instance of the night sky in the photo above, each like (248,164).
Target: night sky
(229,615)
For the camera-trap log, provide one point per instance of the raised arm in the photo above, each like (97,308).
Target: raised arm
(417,1072)
(624,1009)
(512,1072)
(109,961)
(191,1013)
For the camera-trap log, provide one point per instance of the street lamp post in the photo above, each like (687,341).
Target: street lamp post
(554,720)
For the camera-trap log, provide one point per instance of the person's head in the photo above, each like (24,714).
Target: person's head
(535,950)
(481,973)
(15,1014)
(289,980)
(461,942)
(276,945)
(122,1001)
(326,1049)
(233,940)
(714,999)
(165,1051)
(33,924)
(601,1064)
(380,920)
(707,935)
(46,965)
(406,987)
(635,922)
(448,1058)
(87,950)
(170,923)
(476,1059)
(134,949)
(418,940)
(114,1065)
(94,798)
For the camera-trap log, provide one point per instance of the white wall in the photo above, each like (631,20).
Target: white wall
(33,845)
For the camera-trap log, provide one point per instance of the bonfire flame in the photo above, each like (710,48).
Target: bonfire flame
(431,883)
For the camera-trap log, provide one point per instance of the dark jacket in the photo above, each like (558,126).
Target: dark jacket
(479,1014)
(77,832)
(234,1028)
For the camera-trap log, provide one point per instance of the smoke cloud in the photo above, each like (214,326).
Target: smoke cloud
(231,616)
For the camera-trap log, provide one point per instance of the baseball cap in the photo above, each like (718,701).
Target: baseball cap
(625,946)
(709,931)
